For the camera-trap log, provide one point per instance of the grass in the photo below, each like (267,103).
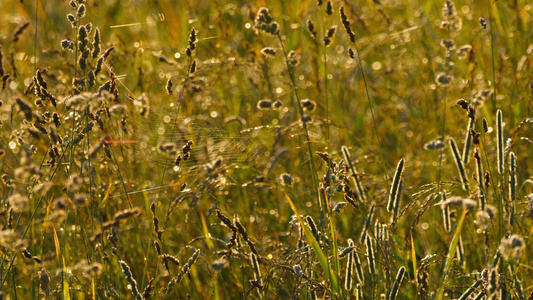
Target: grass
(224,150)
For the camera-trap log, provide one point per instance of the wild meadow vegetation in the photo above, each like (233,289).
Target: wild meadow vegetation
(266,149)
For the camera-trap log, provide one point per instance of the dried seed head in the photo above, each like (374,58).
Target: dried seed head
(308,105)
(483,23)
(475,136)
(485,126)
(463,51)
(96,44)
(529,201)
(157,247)
(399,277)
(298,270)
(293,58)
(273,28)
(277,104)
(457,200)
(72,20)
(18,202)
(346,24)
(79,199)
(268,52)
(89,270)
(469,204)
(370,255)
(193,67)
(487,179)
(443,79)
(331,31)
(482,220)
(107,52)
(80,12)
(264,104)
(129,277)
(329,8)
(448,44)
(512,245)
(263,16)
(311,28)
(192,40)
(89,27)
(395,186)
(173,259)
(169,87)
(346,251)
(74,182)
(491,211)
(44,280)
(449,11)
(351,53)
(313,228)
(286,179)
(25,108)
(26,254)
(434,145)
(329,35)
(340,206)
(4,80)
(68,44)
(147,293)
(19,31)
(127,213)
(187,148)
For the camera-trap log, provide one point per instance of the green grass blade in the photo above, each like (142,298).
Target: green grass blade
(451,253)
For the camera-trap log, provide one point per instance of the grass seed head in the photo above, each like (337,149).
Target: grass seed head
(311,29)
(308,105)
(19,31)
(483,23)
(286,179)
(44,281)
(80,11)
(329,8)
(268,52)
(264,104)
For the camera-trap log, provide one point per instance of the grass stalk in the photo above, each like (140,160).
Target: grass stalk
(459,164)
(369,101)
(468,141)
(451,254)
(306,131)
